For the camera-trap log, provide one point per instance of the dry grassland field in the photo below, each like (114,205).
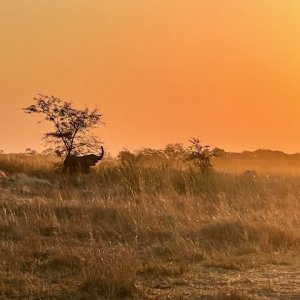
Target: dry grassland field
(147,232)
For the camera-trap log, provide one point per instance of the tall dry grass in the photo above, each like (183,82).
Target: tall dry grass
(123,231)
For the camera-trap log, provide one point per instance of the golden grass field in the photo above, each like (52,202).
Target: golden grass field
(146,233)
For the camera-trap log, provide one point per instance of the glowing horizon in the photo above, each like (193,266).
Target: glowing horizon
(160,71)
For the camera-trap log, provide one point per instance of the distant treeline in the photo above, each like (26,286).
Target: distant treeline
(177,156)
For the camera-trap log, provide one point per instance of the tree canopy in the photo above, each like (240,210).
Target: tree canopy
(72,127)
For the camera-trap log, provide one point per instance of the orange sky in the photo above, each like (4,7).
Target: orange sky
(160,70)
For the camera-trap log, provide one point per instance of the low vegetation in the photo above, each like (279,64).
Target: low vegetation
(138,229)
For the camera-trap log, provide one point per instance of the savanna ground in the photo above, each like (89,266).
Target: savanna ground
(155,232)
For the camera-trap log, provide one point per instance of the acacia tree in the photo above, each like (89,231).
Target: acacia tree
(72,133)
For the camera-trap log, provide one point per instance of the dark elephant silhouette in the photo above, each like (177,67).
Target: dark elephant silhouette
(81,164)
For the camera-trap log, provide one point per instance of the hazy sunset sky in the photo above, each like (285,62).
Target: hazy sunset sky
(161,71)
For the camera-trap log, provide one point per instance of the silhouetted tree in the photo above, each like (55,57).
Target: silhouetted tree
(200,155)
(128,158)
(72,127)
(29,151)
(48,152)
(174,151)
(219,152)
